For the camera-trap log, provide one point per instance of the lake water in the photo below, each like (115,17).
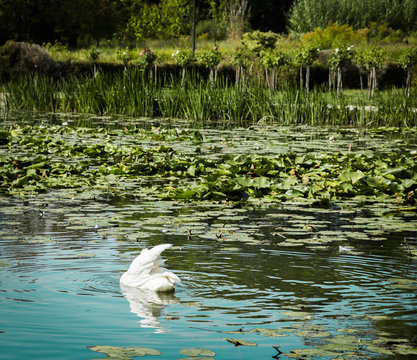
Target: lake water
(352,294)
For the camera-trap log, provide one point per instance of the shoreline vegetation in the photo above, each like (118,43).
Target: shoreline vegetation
(261,77)
(135,94)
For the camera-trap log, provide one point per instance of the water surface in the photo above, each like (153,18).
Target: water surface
(292,275)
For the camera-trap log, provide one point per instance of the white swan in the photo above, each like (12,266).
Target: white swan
(146,271)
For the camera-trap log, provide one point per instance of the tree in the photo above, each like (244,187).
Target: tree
(272,60)
(373,59)
(232,16)
(408,61)
(44,21)
(304,58)
(168,18)
(340,57)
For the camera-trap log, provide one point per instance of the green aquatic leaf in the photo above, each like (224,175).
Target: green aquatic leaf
(351,176)
(85,255)
(124,352)
(307,352)
(312,334)
(297,314)
(197,352)
(406,349)
(273,332)
(241,342)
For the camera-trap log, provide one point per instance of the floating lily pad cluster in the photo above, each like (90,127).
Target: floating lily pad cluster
(128,353)
(147,163)
(349,343)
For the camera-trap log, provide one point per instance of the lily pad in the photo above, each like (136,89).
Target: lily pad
(240,342)
(297,314)
(303,353)
(197,358)
(194,352)
(124,353)
(85,255)
(378,317)
(273,332)
(312,334)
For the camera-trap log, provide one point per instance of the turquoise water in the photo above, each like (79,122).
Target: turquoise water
(298,276)
(61,260)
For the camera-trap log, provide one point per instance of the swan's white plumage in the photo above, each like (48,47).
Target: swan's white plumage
(147,272)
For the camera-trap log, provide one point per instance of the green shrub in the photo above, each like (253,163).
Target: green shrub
(146,58)
(184,57)
(334,34)
(306,15)
(209,29)
(124,55)
(257,41)
(210,58)
(93,54)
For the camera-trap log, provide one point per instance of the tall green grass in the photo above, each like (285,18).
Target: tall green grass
(135,93)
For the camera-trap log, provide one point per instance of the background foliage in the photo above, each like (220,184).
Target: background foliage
(306,15)
(83,22)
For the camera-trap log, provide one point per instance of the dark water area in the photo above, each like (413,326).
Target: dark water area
(333,281)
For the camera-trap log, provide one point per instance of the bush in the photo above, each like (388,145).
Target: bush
(326,38)
(258,41)
(24,57)
(146,58)
(124,55)
(211,58)
(306,15)
(334,34)
(184,58)
(208,29)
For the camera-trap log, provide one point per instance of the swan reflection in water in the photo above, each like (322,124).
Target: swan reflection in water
(148,305)
(148,286)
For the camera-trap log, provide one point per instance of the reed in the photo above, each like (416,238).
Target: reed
(136,93)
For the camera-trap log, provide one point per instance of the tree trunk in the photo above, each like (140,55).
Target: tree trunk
(301,78)
(339,82)
(183,75)
(375,80)
(242,76)
(330,78)
(308,78)
(360,77)
(408,83)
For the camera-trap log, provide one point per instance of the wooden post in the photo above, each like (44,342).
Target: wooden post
(193,35)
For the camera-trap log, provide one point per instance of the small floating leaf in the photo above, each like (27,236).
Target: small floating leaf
(312,334)
(349,331)
(239,342)
(85,255)
(379,350)
(196,352)
(302,353)
(297,314)
(273,332)
(124,353)
(405,349)
(378,317)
